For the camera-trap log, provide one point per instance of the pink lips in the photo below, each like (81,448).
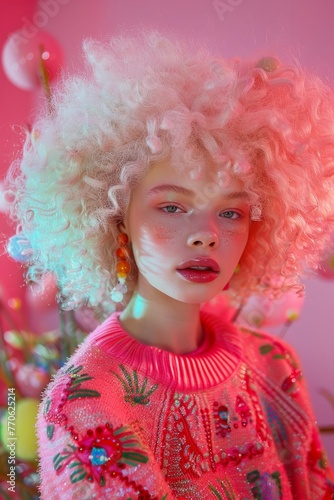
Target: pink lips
(199,270)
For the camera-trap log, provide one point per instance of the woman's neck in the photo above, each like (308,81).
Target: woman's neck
(163,322)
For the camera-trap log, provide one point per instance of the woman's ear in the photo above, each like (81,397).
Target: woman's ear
(122,227)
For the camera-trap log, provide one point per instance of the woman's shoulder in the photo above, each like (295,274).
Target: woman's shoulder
(273,359)
(255,344)
(264,353)
(259,344)
(265,342)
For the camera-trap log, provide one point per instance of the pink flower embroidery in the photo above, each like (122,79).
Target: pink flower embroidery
(102,452)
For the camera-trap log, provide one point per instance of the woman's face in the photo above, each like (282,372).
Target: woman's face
(187,235)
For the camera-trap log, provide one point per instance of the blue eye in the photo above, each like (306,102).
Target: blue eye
(230,214)
(171,209)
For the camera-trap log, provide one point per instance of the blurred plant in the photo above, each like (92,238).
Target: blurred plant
(27,362)
(262,311)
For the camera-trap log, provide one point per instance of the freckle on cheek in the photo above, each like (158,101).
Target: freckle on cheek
(235,233)
(230,237)
(162,233)
(225,239)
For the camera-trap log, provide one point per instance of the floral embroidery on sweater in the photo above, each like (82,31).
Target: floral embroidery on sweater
(135,392)
(102,452)
(265,486)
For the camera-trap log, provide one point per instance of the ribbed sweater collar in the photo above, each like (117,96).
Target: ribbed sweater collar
(208,366)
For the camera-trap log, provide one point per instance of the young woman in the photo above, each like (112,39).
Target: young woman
(161,177)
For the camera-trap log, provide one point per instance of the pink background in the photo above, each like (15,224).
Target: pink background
(302,29)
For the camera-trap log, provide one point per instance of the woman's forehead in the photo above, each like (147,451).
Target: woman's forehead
(209,178)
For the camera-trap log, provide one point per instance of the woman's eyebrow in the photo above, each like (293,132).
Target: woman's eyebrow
(236,194)
(163,188)
(170,187)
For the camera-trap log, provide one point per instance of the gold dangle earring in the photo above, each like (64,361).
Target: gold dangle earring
(122,268)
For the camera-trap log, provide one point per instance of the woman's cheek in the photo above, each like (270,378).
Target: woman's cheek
(238,234)
(160,233)
(151,246)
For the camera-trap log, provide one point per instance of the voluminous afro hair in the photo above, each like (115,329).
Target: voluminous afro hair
(147,98)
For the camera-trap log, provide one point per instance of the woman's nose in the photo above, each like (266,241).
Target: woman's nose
(203,239)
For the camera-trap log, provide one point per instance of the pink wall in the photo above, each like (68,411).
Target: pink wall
(302,28)
(15,109)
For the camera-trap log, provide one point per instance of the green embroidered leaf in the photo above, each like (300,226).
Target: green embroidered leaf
(227,490)
(129,445)
(154,388)
(129,462)
(135,379)
(164,497)
(78,475)
(74,370)
(216,492)
(49,431)
(57,460)
(75,464)
(83,393)
(266,348)
(134,394)
(120,430)
(128,437)
(144,385)
(134,457)
(278,356)
(127,376)
(323,461)
(47,406)
(102,481)
(82,378)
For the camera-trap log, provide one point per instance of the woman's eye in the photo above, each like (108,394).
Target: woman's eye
(230,214)
(171,209)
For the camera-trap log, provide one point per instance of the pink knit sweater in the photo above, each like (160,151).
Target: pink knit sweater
(231,420)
